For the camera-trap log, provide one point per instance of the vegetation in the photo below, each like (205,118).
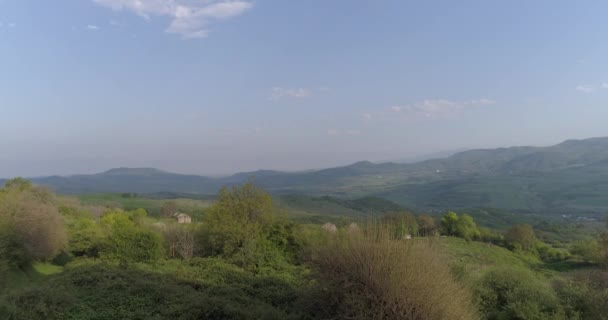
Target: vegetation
(565,179)
(368,275)
(244,258)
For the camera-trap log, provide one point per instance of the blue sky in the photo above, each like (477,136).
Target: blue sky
(215,86)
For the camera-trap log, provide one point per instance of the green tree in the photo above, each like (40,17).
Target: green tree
(449,223)
(235,219)
(127,242)
(466,227)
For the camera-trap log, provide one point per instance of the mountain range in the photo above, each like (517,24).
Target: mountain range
(568,177)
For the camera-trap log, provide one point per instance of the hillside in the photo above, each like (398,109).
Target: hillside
(568,177)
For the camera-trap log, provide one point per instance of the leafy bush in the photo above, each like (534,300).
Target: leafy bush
(460,226)
(128,242)
(510,293)
(31,227)
(585,295)
(102,292)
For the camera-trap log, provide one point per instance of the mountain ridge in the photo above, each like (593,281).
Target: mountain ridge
(476,176)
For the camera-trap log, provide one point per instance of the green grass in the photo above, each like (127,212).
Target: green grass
(474,258)
(35,274)
(46,269)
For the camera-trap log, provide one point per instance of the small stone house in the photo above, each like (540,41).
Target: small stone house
(182,218)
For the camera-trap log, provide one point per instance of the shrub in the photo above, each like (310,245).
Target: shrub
(521,237)
(368,275)
(103,292)
(128,242)
(585,295)
(31,225)
(509,293)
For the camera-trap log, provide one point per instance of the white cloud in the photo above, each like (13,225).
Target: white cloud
(190,19)
(435,108)
(333,132)
(92,27)
(585,88)
(12,25)
(605,85)
(368,116)
(277,93)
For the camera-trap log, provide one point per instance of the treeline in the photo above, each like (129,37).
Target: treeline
(518,238)
(245,259)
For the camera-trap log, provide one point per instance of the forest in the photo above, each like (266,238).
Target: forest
(245,257)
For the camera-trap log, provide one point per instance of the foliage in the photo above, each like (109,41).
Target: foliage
(235,220)
(128,242)
(521,237)
(511,293)
(103,292)
(460,226)
(242,227)
(466,227)
(448,223)
(585,295)
(31,226)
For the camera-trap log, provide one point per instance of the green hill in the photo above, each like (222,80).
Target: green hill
(567,178)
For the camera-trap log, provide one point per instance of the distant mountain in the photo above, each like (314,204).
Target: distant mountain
(428,156)
(572,175)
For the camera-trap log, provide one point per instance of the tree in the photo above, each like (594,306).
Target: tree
(30,220)
(466,227)
(521,237)
(180,240)
(168,209)
(128,242)
(449,222)
(426,225)
(235,219)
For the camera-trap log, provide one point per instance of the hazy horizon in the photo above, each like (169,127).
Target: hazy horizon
(218,87)
(412,159)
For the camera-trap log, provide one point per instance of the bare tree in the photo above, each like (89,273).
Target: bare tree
(180,241)
(185,243)
(168,209)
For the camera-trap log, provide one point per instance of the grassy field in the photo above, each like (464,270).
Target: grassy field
(190,206)
(476,257)
(472,259)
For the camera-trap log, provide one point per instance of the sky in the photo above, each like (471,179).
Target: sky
(216,86)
